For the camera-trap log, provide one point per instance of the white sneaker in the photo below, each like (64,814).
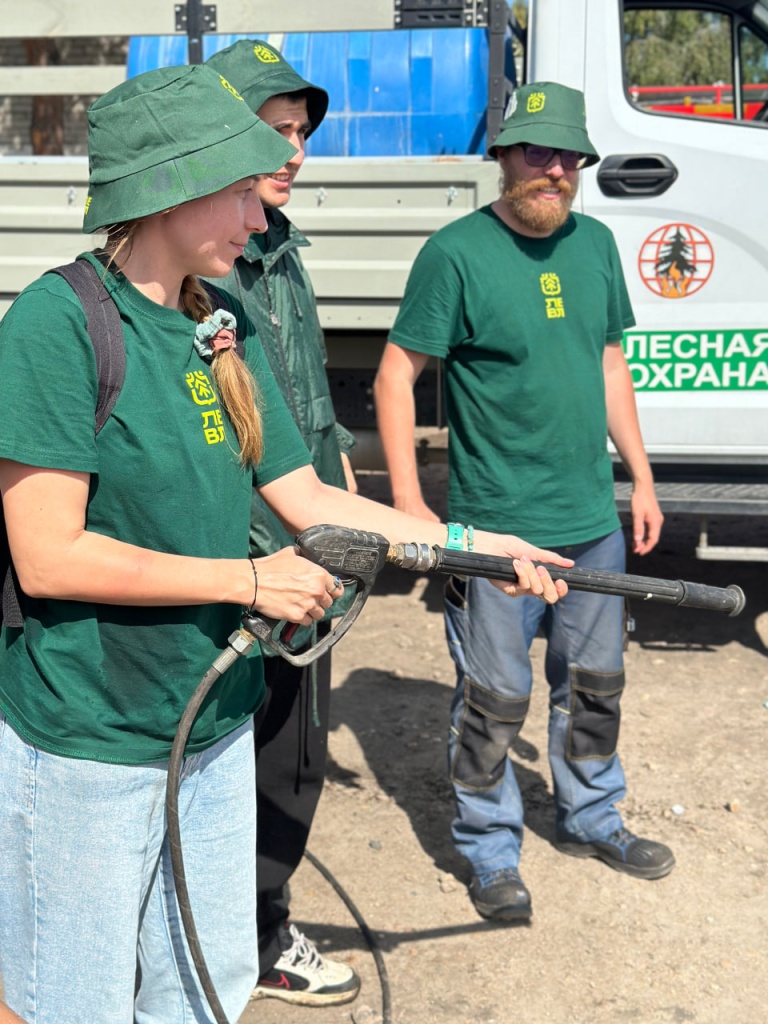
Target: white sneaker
(302,975)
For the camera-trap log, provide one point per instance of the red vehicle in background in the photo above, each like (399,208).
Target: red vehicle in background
(714,100)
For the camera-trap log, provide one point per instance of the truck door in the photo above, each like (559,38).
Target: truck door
(677,106)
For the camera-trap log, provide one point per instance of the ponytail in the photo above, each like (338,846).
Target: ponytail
(238,390)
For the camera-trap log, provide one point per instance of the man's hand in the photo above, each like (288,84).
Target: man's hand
(647,518)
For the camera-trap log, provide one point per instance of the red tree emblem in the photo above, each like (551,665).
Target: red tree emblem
(676,261)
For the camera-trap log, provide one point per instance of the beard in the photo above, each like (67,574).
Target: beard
(539,215)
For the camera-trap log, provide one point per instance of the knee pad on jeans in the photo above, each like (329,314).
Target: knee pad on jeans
(489,725)
(593,730)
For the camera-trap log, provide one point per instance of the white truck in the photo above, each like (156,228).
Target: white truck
(677,102)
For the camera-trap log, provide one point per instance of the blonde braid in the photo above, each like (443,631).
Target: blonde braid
(237,389)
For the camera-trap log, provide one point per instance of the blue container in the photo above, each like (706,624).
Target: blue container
(398,93)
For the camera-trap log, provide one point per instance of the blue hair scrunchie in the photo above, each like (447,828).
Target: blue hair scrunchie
(220,320)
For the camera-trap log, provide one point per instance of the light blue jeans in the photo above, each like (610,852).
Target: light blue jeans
(489,636)
(86,891)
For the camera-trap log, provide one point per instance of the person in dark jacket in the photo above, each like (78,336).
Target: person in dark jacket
(292,736)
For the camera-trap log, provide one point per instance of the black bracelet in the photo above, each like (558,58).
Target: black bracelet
(252,609)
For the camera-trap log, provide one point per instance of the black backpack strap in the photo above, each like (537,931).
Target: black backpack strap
(220,300)
(105,330)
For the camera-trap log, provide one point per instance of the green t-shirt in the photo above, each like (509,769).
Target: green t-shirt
(521,324)
(108,682)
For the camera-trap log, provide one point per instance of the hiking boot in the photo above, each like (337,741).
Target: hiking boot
(302,975)
(626,852)
(501,896)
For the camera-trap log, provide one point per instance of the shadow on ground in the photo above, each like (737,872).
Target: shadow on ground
(407,756)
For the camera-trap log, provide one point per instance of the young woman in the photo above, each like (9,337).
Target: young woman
(130,547)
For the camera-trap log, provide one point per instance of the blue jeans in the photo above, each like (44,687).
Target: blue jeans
(489,636)
(86,891)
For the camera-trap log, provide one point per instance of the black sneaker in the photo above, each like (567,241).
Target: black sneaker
(626,852)
(501,896)
(303,976)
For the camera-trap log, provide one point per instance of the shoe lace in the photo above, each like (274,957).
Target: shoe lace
(501,875)
(622,837)
(303,953)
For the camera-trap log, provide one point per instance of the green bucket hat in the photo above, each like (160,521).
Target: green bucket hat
(169,136)
(258,71)
(546,114)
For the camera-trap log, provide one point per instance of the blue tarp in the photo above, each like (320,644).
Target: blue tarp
(398,93)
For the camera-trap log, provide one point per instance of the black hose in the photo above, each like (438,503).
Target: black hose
(175,763)
(370,938)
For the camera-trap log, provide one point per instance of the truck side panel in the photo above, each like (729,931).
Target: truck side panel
(695,262)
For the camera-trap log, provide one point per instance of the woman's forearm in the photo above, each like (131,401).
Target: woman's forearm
(55,556)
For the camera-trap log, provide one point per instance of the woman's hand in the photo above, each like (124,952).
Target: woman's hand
(532,580)
(291,587)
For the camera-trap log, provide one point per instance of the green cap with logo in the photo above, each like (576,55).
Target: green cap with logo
(169,136)
(258,71)
(546,114)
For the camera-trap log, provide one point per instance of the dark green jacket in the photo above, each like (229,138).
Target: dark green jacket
(275,290)
(270,281)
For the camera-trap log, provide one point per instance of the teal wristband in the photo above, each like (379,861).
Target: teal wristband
(455,541)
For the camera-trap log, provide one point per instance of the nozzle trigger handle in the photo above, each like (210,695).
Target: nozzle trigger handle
(276,633)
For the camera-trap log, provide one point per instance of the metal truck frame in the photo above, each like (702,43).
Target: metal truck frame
(366,217)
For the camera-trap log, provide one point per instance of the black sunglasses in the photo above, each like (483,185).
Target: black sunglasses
(540,156)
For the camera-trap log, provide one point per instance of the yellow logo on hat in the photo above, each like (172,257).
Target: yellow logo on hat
(536,102)
(265,55)
(230,88)
(87,206)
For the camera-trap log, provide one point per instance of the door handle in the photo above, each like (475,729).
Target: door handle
(635,175)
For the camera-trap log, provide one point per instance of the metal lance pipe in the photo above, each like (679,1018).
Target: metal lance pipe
(423,558)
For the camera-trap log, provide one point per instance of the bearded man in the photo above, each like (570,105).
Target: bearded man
(525,302)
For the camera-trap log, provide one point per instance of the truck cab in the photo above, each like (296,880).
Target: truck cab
(677,104)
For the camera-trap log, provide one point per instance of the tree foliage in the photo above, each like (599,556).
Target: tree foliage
(664,47)
(520,11)
(754,57)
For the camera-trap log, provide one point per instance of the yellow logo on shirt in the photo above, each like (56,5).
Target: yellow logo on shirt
(550,284)
(203,394)
(550,287)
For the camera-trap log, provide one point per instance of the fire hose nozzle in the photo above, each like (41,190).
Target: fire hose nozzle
(413,556)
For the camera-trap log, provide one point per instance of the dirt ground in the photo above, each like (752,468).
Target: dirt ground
(602,948)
